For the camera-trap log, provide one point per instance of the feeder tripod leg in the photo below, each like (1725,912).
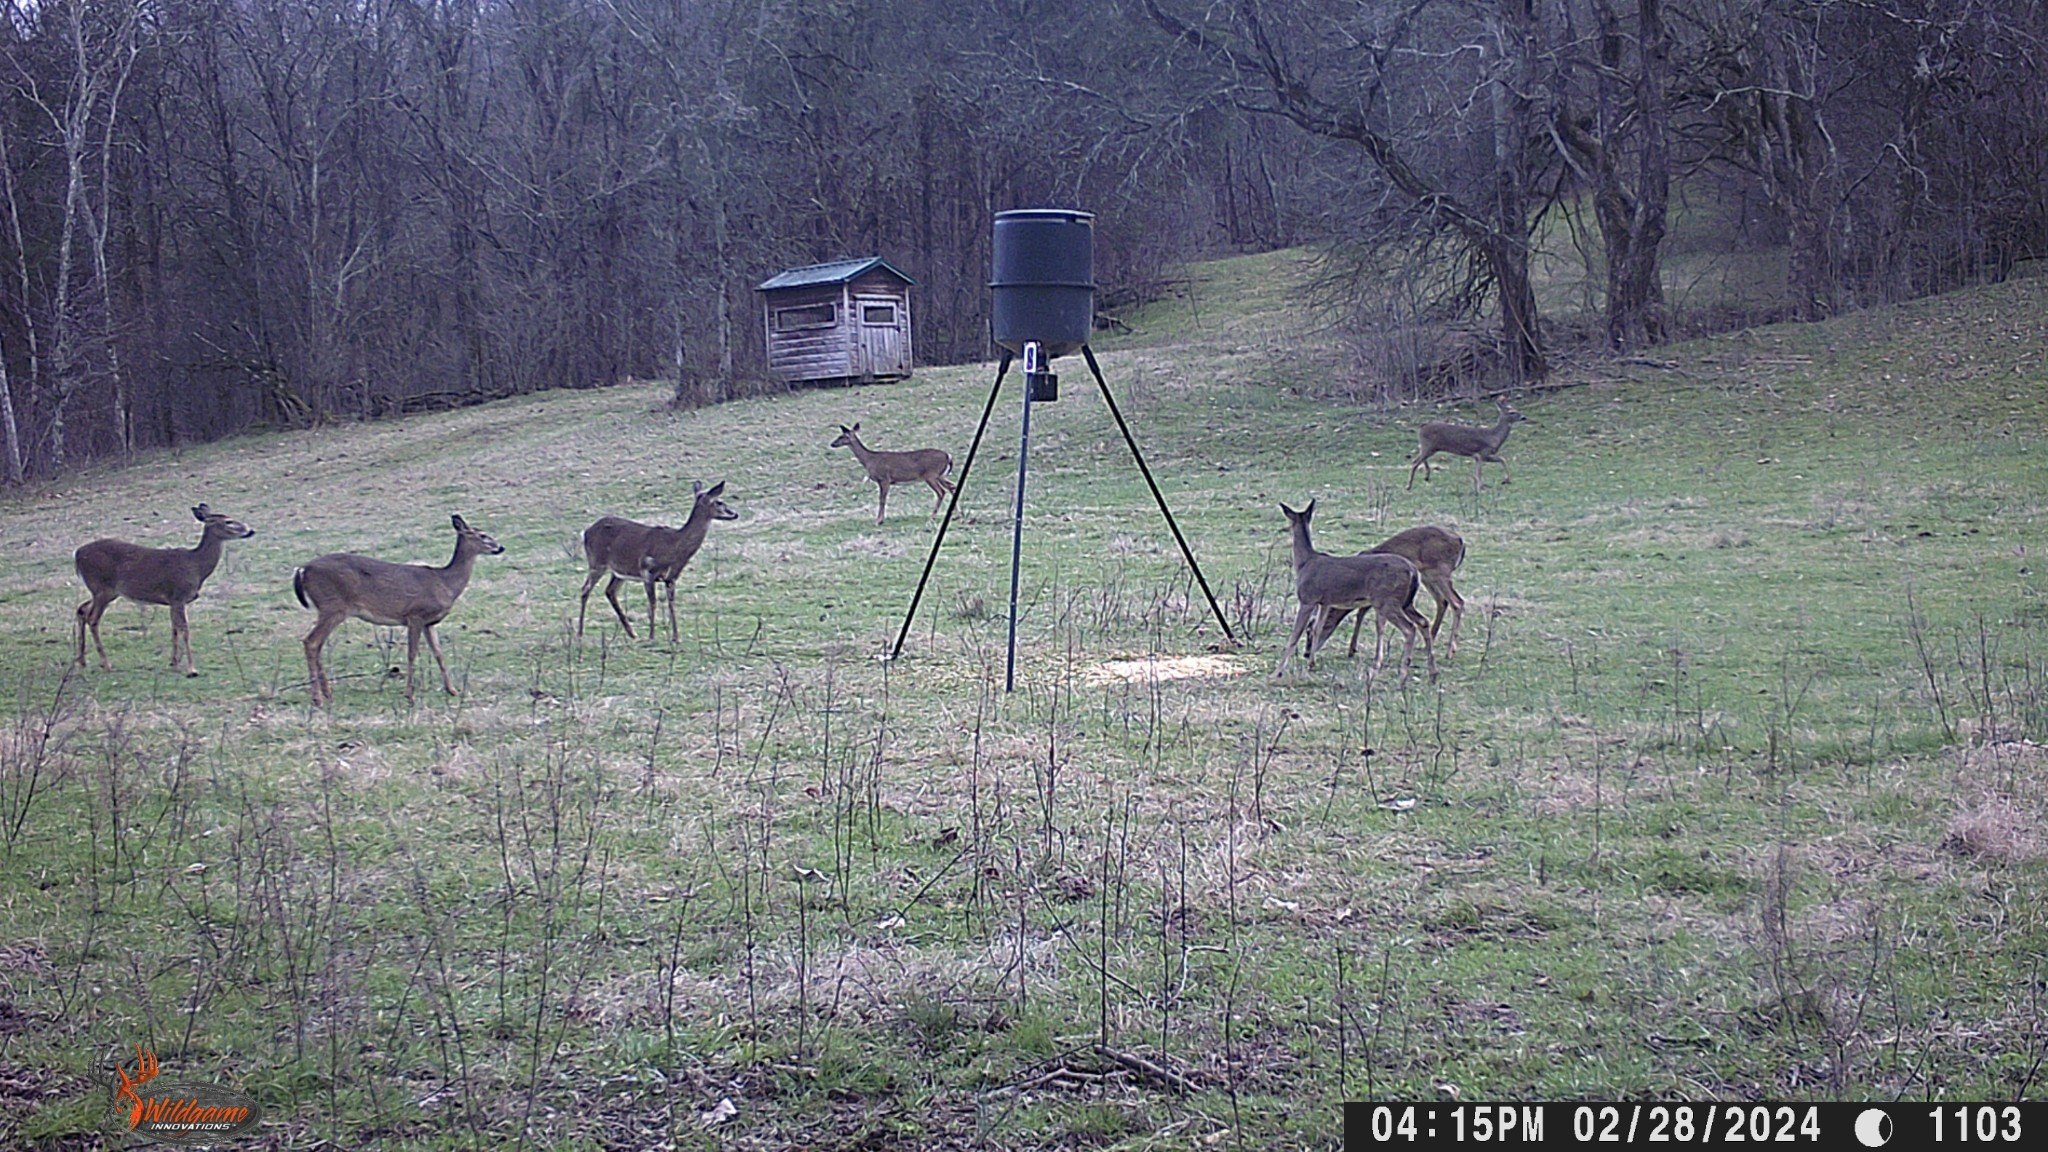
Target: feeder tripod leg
(959,486)
(1179,539)
(1017,527)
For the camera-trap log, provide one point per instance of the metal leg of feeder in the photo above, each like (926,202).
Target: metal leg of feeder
(1017,524)
(959,486)
(1185,551)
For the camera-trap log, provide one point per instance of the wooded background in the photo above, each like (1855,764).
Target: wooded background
(220,214)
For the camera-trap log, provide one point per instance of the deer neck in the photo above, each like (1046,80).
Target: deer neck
(861,452)
(1304,551)
(1498,434)
(206,555)
(697,525)
(455,574)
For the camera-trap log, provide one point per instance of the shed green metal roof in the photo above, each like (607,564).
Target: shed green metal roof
(833,272)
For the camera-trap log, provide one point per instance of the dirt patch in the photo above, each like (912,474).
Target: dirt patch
(1152,668)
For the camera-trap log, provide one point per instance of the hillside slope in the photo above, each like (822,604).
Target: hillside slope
(1733,789)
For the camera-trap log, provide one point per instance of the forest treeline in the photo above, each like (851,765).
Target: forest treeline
(218,214)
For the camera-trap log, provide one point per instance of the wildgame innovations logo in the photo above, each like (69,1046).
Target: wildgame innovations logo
(174,1113)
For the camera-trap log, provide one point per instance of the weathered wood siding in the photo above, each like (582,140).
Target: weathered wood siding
(885,352)
(804,348)
(800,349)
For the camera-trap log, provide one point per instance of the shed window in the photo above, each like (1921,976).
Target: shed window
(808,316)
(878,314)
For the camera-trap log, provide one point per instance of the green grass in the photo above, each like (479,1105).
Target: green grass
(1733,790)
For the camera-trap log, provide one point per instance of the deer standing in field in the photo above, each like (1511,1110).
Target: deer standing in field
(112,569)
(1481,444)
(1436,553)
(341,584)
(1380,581)
(647,553)
(885,468)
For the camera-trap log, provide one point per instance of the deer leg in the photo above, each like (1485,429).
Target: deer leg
(1478,466)
(882,508)
(434,646)
(1327,623)
(1357,622)
(674,636)
(316,674)
(1505,475)
(1447,599)
(412,651)
(1319,631)
(611,593)
(941,487)
(583,604)
(181,639)
(1421,461)
(1301,620)
(649,581)
(89,614)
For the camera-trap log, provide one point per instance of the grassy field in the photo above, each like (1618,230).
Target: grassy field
(1734,789)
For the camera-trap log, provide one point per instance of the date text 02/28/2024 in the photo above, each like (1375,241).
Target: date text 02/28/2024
(1370,1125)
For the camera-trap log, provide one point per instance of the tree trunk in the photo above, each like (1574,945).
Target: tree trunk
(1507,248)
(1497,232)
(1795,160)
(18,457)
(9,430)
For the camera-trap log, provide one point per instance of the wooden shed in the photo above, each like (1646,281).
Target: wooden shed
(843,322)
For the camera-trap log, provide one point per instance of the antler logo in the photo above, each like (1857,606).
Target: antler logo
(180,1113)
(145,1070)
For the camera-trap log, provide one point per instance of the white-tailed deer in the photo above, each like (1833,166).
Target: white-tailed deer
(1481,444)
(1436,553)
(341,584)
(112,569)
(885,468)
(628,549)
(1380,581)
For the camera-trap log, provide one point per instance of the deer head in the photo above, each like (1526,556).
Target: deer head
(709,497)
(219,525)
(478,540)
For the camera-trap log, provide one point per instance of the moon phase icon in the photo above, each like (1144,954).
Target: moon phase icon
(1874,1127)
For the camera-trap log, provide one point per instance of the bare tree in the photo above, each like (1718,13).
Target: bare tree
(1492,217)
(80,101)
(1612,125)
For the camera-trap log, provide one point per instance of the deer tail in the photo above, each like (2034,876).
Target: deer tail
(299,587)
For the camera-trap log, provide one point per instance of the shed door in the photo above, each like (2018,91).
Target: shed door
(882,335)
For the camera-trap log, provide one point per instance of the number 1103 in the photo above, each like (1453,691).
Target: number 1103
(1979,1122)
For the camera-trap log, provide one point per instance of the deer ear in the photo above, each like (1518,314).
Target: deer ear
(1310,510)
(856,426)
(696,487)
(200,512)
(716,488)
(459,525)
